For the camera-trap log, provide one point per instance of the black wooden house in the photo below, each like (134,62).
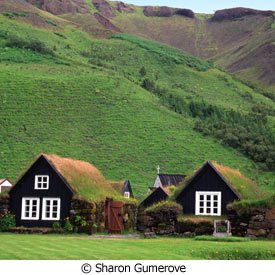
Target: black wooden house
(41,196)
(207,192)
(157,195)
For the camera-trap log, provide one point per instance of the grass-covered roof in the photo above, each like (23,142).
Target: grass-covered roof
(84,178)
(244,187)
(247,188)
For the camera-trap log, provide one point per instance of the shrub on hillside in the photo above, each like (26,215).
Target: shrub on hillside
(33,45)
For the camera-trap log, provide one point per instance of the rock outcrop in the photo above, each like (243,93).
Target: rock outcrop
(122,7)
(164,11)
(61,6)
(104,8)
(231,14)
(106,22)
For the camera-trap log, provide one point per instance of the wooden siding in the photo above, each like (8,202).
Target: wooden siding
(25,188)
(206,180)
(156,196)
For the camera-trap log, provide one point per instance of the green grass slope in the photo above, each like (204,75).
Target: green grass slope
(67,93)
(243,46)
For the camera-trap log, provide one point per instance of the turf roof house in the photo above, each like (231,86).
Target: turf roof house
(160,190)
(124,188)
(5,184)
(44,193)
(212,188)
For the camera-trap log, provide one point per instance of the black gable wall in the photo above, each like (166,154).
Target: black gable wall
(206,180)
(156,196)
(25,188)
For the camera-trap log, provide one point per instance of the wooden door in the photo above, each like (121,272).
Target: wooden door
(113,216)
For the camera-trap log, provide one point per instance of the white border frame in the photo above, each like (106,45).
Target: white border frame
(44,209)
(205,193)
(36,182)
(23,206)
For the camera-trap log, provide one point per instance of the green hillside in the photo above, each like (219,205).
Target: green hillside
(65,92)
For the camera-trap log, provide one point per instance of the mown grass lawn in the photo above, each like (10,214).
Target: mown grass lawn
(33,247)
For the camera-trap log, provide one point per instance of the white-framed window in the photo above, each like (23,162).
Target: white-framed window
(51,209)
(208,203)
(127,195)
(30,208)
(41,182)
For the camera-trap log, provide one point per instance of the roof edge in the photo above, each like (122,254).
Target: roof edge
(208,162)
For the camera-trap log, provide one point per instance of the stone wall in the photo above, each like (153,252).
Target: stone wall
(4,204)
(156,224)
(129,216)
(254,222)
(194,227)
(93,212)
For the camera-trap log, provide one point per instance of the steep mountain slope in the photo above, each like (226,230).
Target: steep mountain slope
(240,40)
(232,42)
(64,92)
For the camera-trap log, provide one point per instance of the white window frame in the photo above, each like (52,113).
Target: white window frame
(23,210)
(211,194)
(51,209)
(127,195)
(36,182)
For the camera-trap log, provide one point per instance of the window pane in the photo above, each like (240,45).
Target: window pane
(201,210)
(55,209)
(27,202)
(208,204)
(208,210)
(215,197)
(27,208)
(208,197)
(201,203)
(215,204)
(201,197)
(54,215)
(215,210)
(47,214)
(54,202)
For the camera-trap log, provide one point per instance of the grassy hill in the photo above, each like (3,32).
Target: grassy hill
(239,40)
(243,46)
(66,92)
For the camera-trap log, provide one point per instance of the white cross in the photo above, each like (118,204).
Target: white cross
(158,168)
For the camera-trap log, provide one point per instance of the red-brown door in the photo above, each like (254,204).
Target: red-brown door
(113,216)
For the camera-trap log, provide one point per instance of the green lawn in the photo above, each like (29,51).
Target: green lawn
(34,247)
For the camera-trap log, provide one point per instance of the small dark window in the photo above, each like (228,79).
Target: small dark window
(208,197)
(208,210)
